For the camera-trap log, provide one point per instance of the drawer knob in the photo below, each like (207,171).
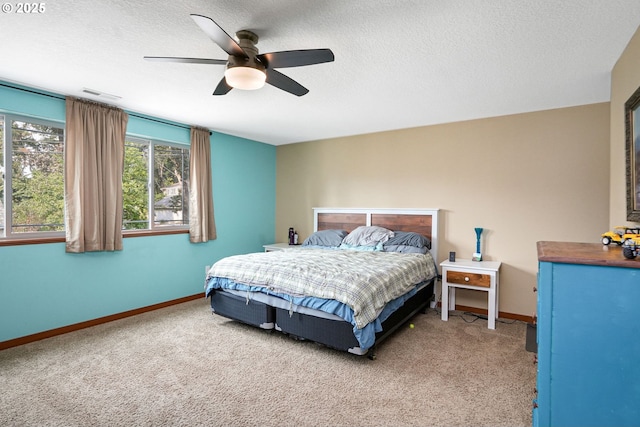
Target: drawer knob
(466,279)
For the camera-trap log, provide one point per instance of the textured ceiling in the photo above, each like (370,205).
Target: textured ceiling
(399,63)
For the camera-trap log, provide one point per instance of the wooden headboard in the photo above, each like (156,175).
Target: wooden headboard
(423,221)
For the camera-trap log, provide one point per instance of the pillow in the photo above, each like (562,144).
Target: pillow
(331,238)
(409,238)
(368,236)
(405,249)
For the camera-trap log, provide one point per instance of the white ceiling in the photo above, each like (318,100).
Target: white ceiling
(399,63)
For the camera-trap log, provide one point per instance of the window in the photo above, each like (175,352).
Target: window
(155,181)
(32,186)
(164,169)
(171,184)
(135,185)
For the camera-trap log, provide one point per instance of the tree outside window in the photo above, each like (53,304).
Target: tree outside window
(37,177)
(171,185)
(169,166)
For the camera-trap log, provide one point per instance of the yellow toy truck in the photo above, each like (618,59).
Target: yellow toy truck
(620,235)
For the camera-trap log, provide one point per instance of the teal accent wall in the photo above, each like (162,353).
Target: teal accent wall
(42,287)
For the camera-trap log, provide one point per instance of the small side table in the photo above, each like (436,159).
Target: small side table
(278,247)
(475,275)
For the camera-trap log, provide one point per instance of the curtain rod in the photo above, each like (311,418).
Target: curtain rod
(64,99)
(32,91)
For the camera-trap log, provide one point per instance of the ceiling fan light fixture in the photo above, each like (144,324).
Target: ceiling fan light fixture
(245,78)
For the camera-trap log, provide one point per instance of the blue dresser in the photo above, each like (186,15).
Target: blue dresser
(588,336)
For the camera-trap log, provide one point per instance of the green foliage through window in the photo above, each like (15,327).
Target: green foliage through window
(171,185)
(37,177)
(135,187)
(170,171)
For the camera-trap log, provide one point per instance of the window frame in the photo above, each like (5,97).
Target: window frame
(153,228)
(7,147)
(41,237)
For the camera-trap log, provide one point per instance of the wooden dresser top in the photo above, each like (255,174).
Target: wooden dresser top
(585,253)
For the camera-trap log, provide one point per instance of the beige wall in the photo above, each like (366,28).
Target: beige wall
(523,178)
(625,79)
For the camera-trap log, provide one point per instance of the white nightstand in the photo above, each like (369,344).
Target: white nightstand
(475,275)
(278,247)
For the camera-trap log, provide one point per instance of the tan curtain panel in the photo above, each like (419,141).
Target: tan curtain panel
(94,159)
(202,226)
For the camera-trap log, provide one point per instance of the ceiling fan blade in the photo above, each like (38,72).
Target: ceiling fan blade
(218,35)
(223,88)
(279,80)
(186,60)
(296,58)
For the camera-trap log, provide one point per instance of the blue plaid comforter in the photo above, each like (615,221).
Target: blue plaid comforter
(365,281)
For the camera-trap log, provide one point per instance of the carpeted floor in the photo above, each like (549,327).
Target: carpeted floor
(182,366)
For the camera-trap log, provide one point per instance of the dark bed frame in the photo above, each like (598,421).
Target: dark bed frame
(338,334)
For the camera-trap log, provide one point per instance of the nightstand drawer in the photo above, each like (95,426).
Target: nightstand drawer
(471,279)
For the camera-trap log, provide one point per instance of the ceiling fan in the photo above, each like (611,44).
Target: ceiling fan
(246,69)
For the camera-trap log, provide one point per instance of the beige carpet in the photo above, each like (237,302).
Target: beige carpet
(182,366)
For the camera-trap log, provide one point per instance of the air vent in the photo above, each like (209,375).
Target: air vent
(101,94)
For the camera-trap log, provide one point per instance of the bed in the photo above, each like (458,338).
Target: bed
(360,275)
